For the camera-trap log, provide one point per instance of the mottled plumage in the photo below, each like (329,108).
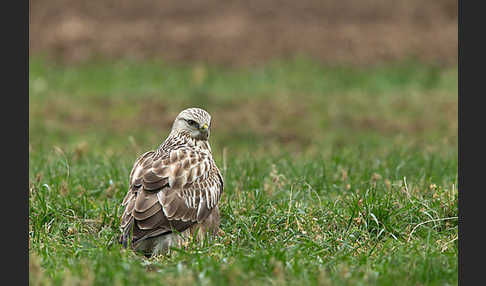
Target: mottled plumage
(173,191)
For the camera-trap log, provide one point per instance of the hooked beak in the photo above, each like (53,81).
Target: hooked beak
(204,129)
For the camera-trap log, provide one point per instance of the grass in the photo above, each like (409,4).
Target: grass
(333,175)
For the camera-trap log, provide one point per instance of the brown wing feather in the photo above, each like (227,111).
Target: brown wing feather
(156,207)
(170,192)
(145,200)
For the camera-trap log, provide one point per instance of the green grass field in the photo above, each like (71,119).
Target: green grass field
(333,175)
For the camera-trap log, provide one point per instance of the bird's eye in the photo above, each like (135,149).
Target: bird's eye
(192,122)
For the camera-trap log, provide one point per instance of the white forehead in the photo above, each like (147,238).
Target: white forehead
(197,114)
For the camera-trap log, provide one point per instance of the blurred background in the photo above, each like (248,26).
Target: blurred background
(246,32)
(293,76)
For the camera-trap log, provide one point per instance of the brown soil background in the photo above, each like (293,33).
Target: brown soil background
(246,32)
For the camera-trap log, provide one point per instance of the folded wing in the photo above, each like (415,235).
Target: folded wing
(169,191)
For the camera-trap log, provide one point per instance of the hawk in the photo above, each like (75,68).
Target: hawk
(173,191)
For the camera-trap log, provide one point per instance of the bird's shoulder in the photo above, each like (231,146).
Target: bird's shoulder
(175,167)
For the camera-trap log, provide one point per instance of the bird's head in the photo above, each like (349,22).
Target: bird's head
(195,122)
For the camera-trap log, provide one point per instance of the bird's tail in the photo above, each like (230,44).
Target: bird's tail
(125,237)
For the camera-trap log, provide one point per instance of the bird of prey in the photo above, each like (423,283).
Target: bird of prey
(173,191)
